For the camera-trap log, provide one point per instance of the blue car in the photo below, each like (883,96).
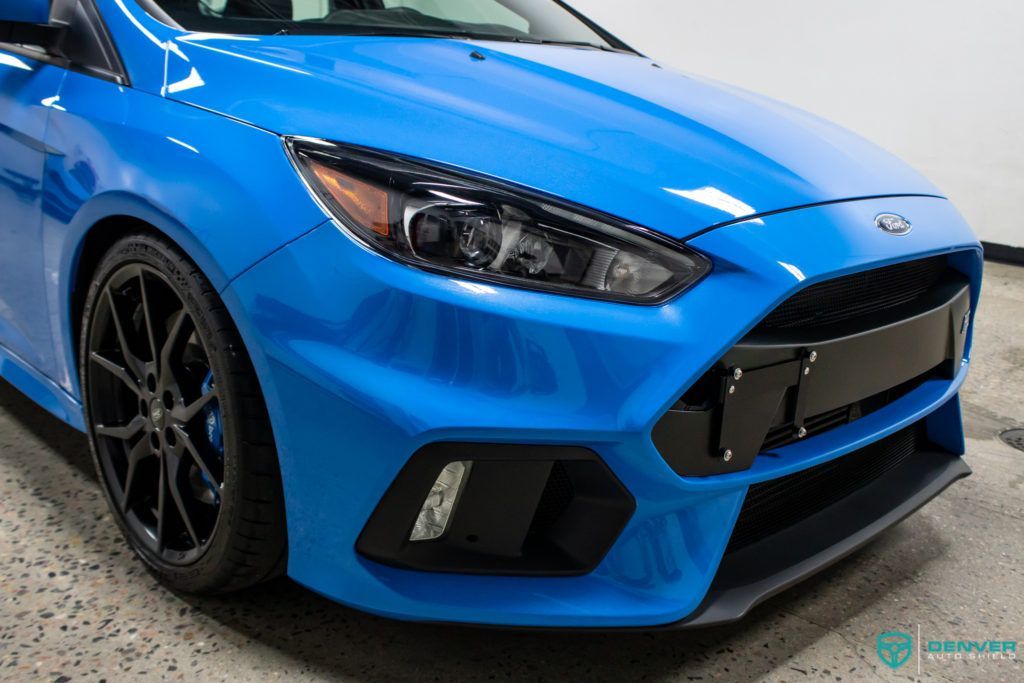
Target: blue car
(464,310)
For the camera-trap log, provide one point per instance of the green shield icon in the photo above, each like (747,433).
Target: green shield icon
(895,648)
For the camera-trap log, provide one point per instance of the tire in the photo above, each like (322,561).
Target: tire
(177,424)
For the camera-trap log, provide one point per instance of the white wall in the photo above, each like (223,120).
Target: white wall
(938,82)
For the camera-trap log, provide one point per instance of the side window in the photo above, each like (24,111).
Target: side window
(468,11)
(294,10)
(310,9)
(88,46)
(213,7)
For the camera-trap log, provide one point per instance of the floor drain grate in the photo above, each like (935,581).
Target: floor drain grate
(1014,437)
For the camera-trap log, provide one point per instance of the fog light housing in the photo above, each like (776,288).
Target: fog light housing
(523,510)
(439,504)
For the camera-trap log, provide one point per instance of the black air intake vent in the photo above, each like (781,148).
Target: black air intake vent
(858,295)
(522,510)
(775,505)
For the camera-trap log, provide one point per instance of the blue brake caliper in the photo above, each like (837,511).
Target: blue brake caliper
(214,429)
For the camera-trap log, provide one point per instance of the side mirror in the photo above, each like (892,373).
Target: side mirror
(36,22)
(25,12)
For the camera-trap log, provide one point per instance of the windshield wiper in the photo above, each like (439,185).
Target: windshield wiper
(570,43)
(450,33)
(389,31)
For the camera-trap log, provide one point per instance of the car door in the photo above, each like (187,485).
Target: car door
(29,86)
(36,184)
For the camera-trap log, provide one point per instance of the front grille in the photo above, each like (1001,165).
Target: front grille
(775,505)
(858,295)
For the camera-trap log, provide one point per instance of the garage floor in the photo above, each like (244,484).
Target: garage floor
(75,605)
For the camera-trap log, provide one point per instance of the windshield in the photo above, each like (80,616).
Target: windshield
(544,21)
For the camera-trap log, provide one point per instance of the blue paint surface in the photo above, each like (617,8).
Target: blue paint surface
(25,11)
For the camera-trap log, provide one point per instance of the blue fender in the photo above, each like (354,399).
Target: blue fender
(122,152)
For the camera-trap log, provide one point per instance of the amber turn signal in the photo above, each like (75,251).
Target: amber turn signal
(364,203)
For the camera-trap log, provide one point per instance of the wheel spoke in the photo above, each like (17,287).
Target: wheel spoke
(161,505)
(118,371)
(166,371)
(124,432)
(140,451)
(185,439)
(174,477)
(148,316)
(193,408)
(122,339)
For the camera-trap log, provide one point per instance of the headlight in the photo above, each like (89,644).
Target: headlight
(450,222)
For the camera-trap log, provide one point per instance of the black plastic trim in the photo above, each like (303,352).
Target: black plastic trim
(766,568)
(501,524)
(609,37)
(36,53)
(769,567)
(854,360)
(158,13)
(49,39)
(105,41)
(13,33)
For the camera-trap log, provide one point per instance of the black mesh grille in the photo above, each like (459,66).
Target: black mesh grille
(775,505)
(556,499)
(785,434)
(858,295)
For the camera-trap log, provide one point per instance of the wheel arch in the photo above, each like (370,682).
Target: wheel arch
(96,228)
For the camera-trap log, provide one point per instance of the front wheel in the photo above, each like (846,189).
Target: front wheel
(177,424)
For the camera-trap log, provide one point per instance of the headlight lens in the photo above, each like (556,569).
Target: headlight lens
(445,221)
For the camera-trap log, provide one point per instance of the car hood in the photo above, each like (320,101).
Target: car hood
(613,131)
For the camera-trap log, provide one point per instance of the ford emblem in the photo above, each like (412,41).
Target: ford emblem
(893,224)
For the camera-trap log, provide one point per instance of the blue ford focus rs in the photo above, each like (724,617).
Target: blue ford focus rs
(465,311)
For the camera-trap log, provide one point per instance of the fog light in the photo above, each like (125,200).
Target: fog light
(440,502)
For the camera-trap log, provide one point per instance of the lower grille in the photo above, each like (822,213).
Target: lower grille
(785,434)
(775,505)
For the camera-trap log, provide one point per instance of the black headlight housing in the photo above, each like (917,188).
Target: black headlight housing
(450,222)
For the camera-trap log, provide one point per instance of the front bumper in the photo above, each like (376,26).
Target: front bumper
(754,572)
(364,362)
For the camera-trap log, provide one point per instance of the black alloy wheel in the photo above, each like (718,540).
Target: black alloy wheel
(178,427)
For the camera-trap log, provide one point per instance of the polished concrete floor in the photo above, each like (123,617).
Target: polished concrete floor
(75,605)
